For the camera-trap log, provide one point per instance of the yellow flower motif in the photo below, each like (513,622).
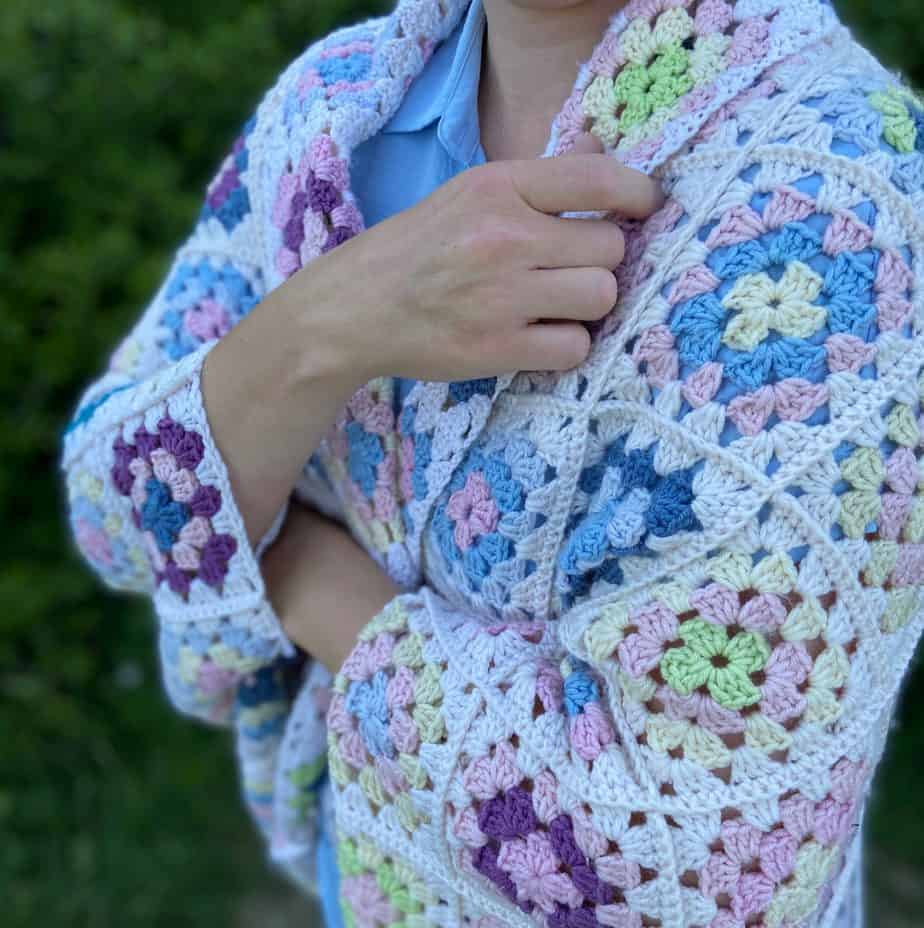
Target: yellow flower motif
(864,471)
(89,486)
(699,745)
(784,306)
(797,898)
(901,606)
(902,427)
(707,57)
(113,524)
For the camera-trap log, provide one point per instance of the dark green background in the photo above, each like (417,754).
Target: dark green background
(114,811)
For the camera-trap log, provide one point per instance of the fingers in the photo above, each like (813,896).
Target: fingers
(557,243)
(553,346)
(577,294)
(585,144)
(584,182)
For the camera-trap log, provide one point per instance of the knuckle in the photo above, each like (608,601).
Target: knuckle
(493,235)
(484,181)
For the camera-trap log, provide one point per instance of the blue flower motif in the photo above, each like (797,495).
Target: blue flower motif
(366,702)
(464,390)
(162,516)
(580,689)
(628,501)
(263,686)
(853,119)
(351,68)
(699,325)
(511,470)
(365,455)
(196,288)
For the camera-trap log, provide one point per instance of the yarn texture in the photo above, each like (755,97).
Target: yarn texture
(660,606)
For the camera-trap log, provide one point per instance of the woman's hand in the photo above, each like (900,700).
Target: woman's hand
(480,278)
(323,586)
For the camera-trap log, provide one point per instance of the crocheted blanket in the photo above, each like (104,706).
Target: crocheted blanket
(662,604)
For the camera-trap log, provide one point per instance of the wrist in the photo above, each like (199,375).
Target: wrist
(325,306)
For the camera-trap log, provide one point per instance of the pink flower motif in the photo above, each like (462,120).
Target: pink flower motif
(488,776)
(846,232)
(738,224)
(591,732)
(163,464)
(93,542)
(749,868)
(407,468)
(701,708)
(473,510)
(750,42)
(796,399)
(368,904)
(833,821)
(196,532)
(545,797)
(721,606)
(368,657)
(465,828)
(847,779)
(399,694)
(642,651)
(212,679)
(692,282)
(703,384)
(390,775)
(892,273)
(712,16)
(788,205)
(750,411)
(549,687)
(207,320)
(183,485)
(797,813)
(848,353)
(403,732)
(786,670)
(533,867)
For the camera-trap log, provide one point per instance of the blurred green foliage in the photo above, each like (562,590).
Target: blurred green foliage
(113,115)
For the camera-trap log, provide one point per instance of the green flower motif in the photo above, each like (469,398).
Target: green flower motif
(643,90)
(898,124)
(305,779)
(710,658)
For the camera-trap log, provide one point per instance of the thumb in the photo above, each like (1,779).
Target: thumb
(585,144)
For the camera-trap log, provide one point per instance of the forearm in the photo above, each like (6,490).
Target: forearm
(323,586)
(272,388)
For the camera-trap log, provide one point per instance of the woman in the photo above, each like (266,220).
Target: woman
(657,605)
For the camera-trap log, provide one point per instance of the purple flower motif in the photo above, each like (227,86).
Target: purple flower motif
(510,815)
(187,447)
(171,507)
(206,501)
(218,550)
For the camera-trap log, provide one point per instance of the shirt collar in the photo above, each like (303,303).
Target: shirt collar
(447,91)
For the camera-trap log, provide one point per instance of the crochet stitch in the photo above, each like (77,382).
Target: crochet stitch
(664,602)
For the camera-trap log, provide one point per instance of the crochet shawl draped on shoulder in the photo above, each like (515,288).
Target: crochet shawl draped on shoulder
(662,604)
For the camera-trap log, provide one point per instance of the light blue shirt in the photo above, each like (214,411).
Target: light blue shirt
(433,136)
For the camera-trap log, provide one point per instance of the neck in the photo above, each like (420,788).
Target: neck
(530,63)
